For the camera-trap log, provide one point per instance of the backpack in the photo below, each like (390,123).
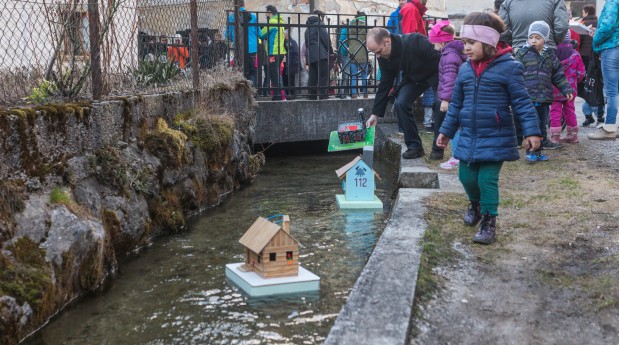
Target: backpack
(591,88)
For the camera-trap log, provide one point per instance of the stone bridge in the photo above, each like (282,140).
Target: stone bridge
(306,120)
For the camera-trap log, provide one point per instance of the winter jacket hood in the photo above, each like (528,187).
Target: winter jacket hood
(452,57)
(519,14)
(481,108)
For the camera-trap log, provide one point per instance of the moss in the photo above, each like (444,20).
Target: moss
(166,211)
(210,134)
(27,277)
(11,201)
(127,116)
(110,168)
(256,161)
(166,144)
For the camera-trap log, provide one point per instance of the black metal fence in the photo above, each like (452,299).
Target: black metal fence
(343,69)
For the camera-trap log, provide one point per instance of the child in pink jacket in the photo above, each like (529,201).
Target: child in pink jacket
(561,107)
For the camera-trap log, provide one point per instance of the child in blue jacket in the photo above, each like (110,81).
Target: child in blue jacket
(488,84)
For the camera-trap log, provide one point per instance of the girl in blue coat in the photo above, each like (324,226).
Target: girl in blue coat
(489,83)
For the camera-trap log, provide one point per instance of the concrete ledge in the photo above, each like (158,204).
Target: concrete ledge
(416,176)
(378,310)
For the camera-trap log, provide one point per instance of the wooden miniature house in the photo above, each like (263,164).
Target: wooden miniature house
(270,250)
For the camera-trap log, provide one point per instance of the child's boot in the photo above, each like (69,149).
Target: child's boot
(486,231)
(472,216)
(555,134)
(589,120)
(572,135)
(600,119)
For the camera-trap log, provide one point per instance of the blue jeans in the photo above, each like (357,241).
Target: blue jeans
(362,69)
(429,98)
(609,66)
(589,110)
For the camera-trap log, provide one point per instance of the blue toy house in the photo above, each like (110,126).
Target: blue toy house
(358,186)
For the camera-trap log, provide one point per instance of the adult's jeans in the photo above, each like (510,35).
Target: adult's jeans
(609,66)
(362,70)
(407,94)
(318,75)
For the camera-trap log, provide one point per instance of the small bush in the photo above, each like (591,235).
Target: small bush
(59,196)
(43,92)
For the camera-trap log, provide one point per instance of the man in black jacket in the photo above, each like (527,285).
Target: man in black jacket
(418,60)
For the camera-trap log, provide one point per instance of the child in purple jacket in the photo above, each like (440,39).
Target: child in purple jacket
(561,106)
(452,57)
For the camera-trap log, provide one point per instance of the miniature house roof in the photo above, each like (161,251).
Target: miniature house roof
(343,171)
(259,235)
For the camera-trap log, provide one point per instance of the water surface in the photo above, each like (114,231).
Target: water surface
(176,292)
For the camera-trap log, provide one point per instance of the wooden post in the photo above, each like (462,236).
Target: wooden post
(95,49)
(193,8)
(238,36)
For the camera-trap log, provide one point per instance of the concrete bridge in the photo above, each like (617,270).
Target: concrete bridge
(306,120)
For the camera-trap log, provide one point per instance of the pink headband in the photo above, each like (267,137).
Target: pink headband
(438,36)
(484,34)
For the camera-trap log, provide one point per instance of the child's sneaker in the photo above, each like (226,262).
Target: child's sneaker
(450,164)
(541,157)
(531,157)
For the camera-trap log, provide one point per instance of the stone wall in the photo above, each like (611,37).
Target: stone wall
(82,185)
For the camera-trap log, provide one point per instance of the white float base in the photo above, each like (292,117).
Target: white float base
(374,204)
(255,285)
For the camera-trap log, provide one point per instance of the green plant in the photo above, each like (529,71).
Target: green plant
(155,72)
(59,196)
(43,92)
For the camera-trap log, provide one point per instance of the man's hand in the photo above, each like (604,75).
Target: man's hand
(444,106)
(442,141)
(531,143)
(372,121)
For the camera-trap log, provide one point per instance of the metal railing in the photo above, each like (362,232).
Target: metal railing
(351,69)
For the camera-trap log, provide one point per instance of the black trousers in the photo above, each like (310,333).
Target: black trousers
(251,70)
(289,80)
(407,94)
(318,75)
(438,117)
(274,74)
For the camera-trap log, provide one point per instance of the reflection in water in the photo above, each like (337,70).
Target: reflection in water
(177,292)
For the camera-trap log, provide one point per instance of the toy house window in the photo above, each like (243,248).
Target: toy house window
(76,40)
(259,259)
(272,256)
(289,255)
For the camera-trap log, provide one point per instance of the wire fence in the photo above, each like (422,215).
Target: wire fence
(60,50)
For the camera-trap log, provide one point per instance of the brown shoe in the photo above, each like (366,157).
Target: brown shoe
(365,95)
(353,96)
(602,134)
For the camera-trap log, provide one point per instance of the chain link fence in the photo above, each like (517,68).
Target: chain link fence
(61,50)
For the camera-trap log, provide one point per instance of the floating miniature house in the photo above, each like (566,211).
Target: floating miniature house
(271,264)
(358,184)
(270,250)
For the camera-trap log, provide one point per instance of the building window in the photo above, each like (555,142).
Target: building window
(289,255)
(76,39)
(272,256)
(259,259)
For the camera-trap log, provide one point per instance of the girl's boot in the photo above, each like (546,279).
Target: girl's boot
(555,134)
(572,135)
(472,216)
(486,231)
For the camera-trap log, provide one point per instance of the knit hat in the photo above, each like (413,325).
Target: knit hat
(540,28)
(438,36)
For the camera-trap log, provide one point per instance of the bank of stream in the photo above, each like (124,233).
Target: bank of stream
(176,291)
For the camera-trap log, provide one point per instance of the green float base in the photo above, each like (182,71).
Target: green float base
(344,204)
(255,285)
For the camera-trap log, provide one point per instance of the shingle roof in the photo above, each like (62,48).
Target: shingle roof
(259,235)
